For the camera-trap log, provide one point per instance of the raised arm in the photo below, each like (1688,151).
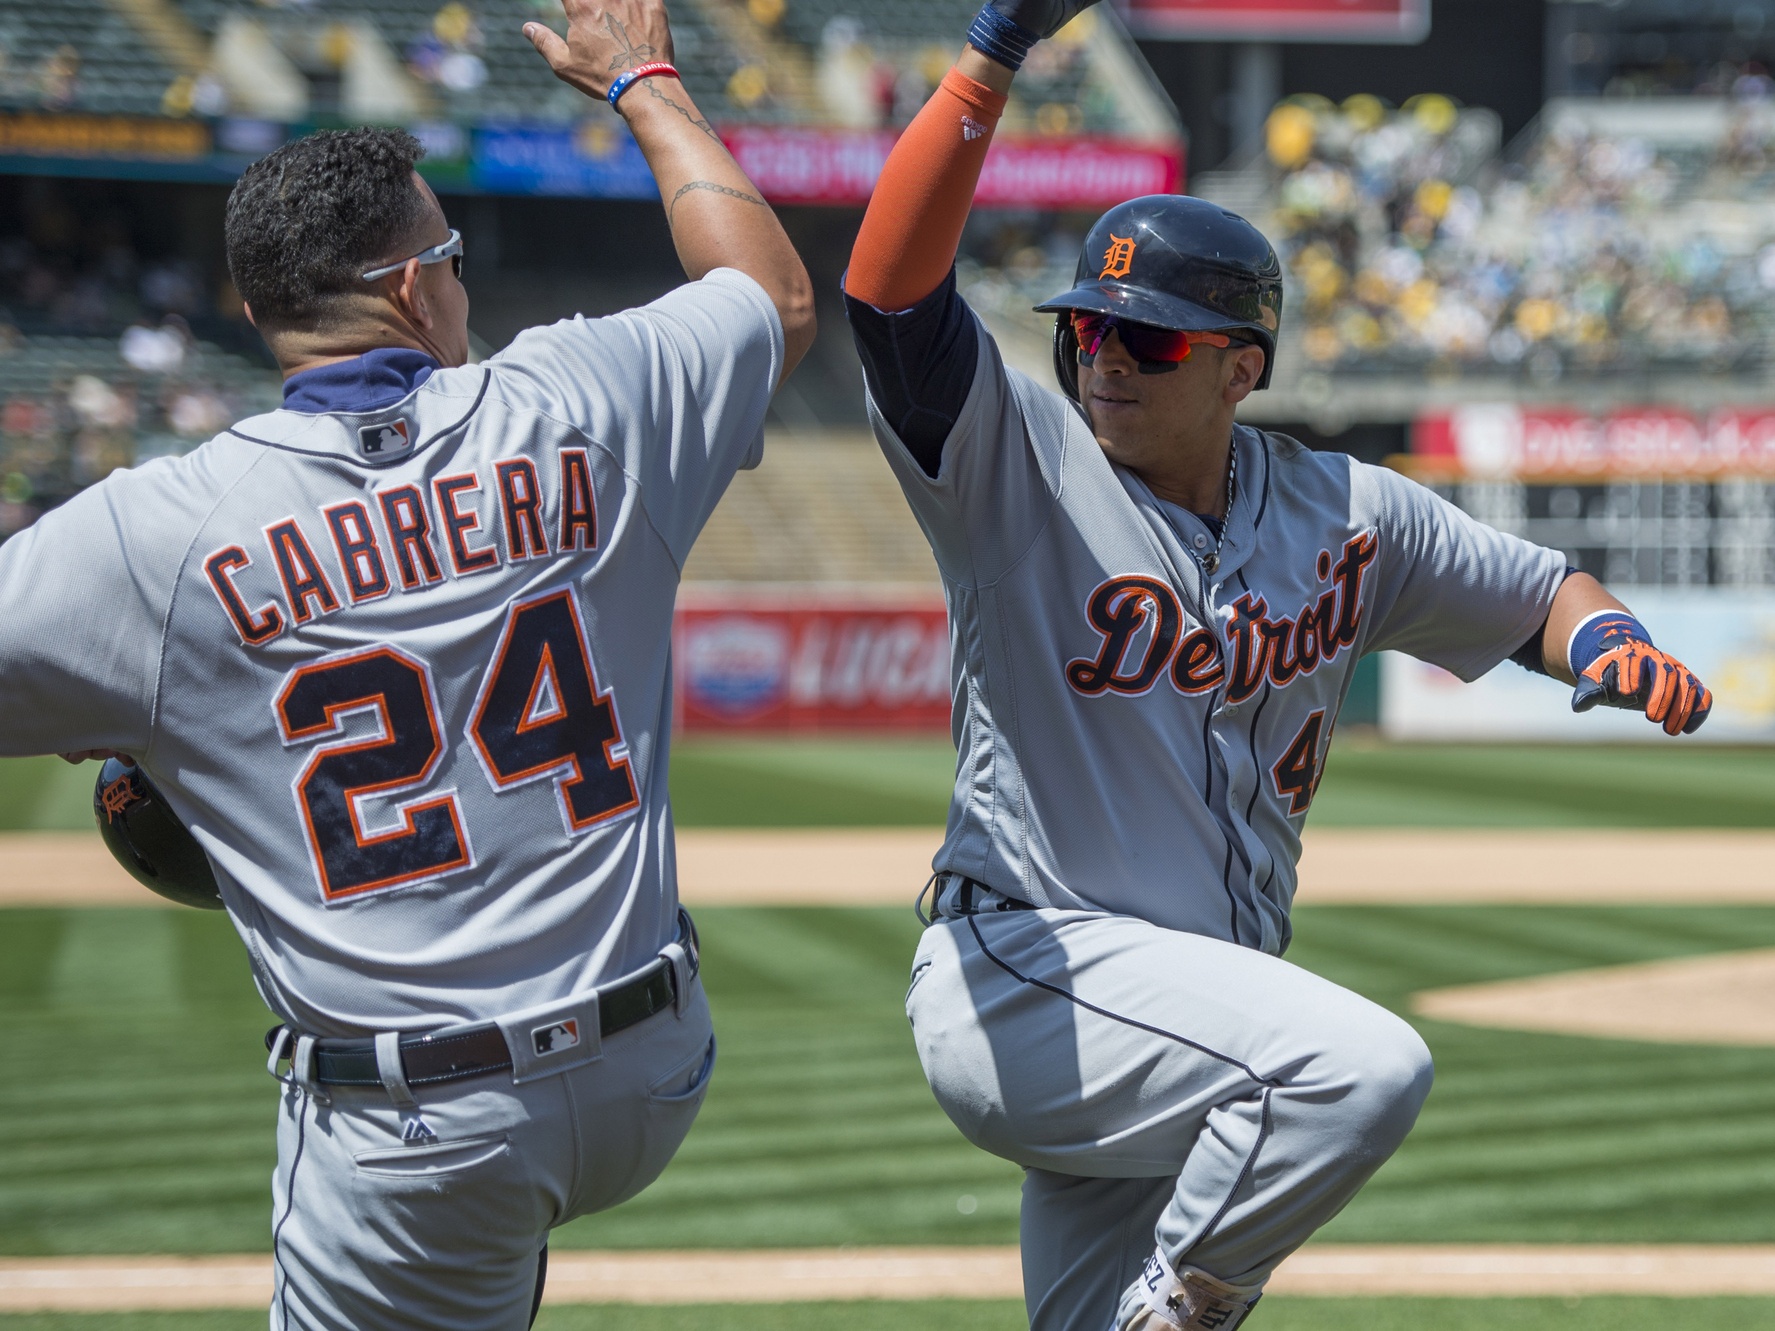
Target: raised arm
(914,336)
(717,216)
(913,224)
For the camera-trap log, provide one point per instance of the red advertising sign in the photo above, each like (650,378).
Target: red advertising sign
(839,166)
(1502,440)
(1392,21)
(811,660)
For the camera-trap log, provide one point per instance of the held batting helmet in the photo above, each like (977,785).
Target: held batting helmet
(148,839)
(1175,262)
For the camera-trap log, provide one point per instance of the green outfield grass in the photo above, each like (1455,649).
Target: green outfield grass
(46,795)
(1277,1314)
(863,782)
(831,782)
(136,1116)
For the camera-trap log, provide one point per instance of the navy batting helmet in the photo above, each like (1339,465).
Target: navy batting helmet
(1175,262)
(148,839)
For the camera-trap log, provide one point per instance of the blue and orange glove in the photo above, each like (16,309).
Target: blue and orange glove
(1006,29)
(1612,655)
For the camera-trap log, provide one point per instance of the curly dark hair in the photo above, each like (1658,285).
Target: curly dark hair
(306,220)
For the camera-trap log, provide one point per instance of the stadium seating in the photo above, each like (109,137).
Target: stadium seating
(747,61)
(814,512)
(473,61)
(1612,238)
(77,55)
(72,408)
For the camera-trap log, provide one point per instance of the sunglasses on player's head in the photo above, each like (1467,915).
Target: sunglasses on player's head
(1144,342)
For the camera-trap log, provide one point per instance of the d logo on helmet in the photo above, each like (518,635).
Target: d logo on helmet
(1118,258)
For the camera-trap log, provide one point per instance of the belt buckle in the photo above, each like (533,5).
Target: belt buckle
(681,969)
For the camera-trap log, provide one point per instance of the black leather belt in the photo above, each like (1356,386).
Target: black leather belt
(966,891)
(476,1050)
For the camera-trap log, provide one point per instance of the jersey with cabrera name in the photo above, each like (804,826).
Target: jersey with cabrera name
(1137,734)
(405,673)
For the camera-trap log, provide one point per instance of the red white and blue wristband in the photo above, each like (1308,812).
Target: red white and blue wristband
(635,75)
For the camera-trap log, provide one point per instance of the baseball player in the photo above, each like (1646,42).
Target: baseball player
(1155,613)
(397,655)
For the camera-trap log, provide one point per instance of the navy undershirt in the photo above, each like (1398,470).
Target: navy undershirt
(376,379)
(919,364)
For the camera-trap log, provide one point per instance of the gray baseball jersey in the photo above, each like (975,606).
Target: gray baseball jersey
(1135,734)
(405,673)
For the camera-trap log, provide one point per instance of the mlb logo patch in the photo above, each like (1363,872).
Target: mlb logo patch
(376,441)
(555,1037)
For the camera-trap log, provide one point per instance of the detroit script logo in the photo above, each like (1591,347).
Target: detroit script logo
(1140,623)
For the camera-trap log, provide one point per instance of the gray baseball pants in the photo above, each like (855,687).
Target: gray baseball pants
(375,1231)
(1160,1089)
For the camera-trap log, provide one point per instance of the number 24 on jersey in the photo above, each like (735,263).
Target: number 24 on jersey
(538,716)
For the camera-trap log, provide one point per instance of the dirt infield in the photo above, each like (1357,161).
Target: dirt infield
(114,1284)
(884,866)
(1726,998)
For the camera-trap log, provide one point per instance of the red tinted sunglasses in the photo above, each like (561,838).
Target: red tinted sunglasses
(1142,341)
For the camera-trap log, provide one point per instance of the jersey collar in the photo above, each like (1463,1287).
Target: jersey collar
(376,379)
(1251,498)
(375,438)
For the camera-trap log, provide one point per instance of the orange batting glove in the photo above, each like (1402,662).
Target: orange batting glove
(1625,670)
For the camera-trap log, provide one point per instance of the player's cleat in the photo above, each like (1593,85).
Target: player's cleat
(1164,1300)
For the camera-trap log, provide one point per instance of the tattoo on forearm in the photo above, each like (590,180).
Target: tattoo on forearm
(630,55)
(648,86)
(713,188)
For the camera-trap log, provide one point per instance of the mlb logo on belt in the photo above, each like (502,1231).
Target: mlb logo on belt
(378,441)
(555,1037)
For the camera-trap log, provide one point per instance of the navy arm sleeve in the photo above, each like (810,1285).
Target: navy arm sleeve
(919,365)
(1530,655)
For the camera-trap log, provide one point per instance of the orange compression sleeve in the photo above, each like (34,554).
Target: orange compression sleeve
(913,224)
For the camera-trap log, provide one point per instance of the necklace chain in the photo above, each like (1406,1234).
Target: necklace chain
(1212,562)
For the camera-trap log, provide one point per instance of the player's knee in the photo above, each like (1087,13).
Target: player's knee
(1392,1076)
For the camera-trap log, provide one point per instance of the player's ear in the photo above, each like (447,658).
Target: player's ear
(248,309)
(1244,367)
(410,295)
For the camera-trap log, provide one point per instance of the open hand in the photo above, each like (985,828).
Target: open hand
(604,39)
(1637,676)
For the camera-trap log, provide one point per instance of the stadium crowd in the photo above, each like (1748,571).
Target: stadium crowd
(1410,242)
(99,369)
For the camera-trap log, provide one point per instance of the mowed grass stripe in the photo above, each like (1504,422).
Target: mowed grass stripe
(1556,1138)
(1660,784)
(819,1129)
(852,781)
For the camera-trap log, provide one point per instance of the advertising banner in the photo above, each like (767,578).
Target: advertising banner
(1392,21)
(1502,440)
(592,159)
(1726,636)
(811,660)
(839,166)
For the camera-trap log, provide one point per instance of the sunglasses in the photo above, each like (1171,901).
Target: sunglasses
(451,249)
(1143,342)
